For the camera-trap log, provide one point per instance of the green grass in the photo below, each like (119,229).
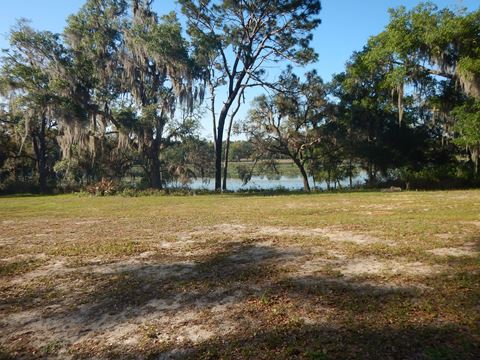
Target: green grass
(320,276)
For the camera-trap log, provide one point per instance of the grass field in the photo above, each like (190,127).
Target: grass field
(325,276)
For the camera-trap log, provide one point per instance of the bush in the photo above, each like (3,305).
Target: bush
(69,175)
(102,188)
(19,187)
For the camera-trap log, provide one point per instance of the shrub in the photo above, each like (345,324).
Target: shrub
(103,188)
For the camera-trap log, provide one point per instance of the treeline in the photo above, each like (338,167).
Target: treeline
(121,93)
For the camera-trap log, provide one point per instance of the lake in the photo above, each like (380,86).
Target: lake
(266,183)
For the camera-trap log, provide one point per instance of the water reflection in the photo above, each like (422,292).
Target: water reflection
(266,183)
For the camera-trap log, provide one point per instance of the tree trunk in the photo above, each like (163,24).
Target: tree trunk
(475,157)
(306,185)
(218,162)
(235,86)
(153,154)
(328,179)
(219,146)
(372,175)
(227,150)
(39,146)
(225,164)
(155,181)
(350,174)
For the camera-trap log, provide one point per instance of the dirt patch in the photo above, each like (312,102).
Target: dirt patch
(465,250)
(364,266)
(165,319)
(236,232)
(220,229)
(330,233)
(373,266)
(53,268)
(7,241)
(130,284)
(444,236)
(88,222)
(137,264)
(363,239)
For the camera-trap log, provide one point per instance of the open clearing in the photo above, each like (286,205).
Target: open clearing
(325,276)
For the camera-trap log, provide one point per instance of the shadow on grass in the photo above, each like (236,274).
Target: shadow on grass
(369,320)
(202,283)
(354,342)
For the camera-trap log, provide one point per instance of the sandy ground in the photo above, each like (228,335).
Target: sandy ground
(186,318)
(191,287)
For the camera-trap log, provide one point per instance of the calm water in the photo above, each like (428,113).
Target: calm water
(264,183)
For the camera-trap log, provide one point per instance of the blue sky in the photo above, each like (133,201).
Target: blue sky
(346,24)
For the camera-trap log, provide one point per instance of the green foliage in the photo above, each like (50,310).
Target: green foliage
(187,160)
(118,94)
(234,40)
(284,24)
(421,44)
(240,150)
(69,174)
(285,123)
(468,124)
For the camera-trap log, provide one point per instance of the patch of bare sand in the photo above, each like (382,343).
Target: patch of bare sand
(444,236)
(358,238)
(42,330)
(199,234)
(350,268)
(176,318)
(373,266)
(53,268)
(172,320)
(237,231)
(88,222)
(7,240)
(378,207)
(140,264)
(331,233)
(264,250)
(26,257)
(465,250)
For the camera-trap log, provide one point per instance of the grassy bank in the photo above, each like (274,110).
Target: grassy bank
(321,276)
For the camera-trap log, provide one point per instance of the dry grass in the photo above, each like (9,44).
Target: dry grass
(329,276)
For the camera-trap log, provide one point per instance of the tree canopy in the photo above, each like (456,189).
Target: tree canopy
(120,94)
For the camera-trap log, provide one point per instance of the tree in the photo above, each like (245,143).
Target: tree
(425,43)
(92,78)
(285,123)
(429,60)
(235,39)
(158,75)
(468,129)
(30,85)
(240,150)
(189,159)
(370,135)
(134,70)
(327,156)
